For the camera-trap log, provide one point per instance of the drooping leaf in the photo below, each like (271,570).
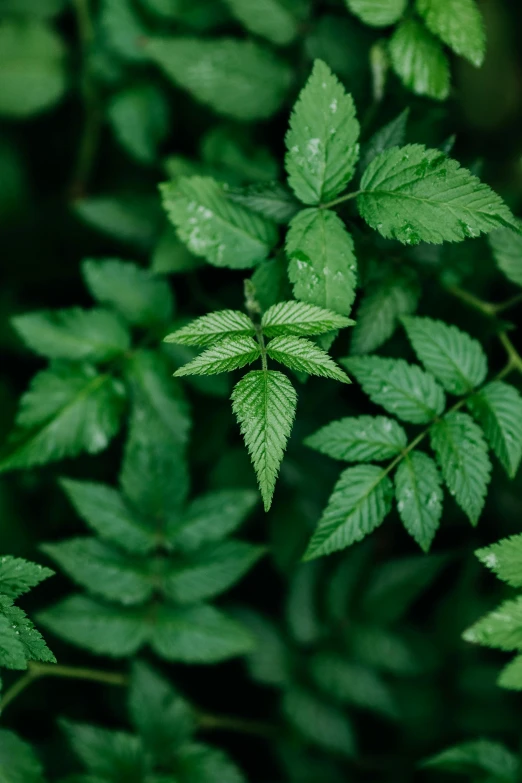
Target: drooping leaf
(459,24)
(214,227)
(223,356)
(418,59)
(452,356)
(402,389)
(360,439)
(271,19)
(271,200)
(359,503)
(418,489)
(504,559)
(463,458)
(300,319)
(264,403)
(377,13)
(18,576)
(480,759)
(322,140)
(239,79)
(18,761)
(304,356)
(415,194)
(507,251)
(498,409)
(323,267)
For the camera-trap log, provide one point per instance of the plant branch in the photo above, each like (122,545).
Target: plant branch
(341,199)
(239,725)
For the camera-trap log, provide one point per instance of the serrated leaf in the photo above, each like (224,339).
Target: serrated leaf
(18,576)
(323,267)
(79,335)
(239,79)
(402,389)
(418,59)
(223,356)
(140,297)
(271,200)
(391,135)
(511,675)
(452,356)
(378,13)
(489,760)
(359,439)
(322,139)
(498,409)
(18,762)
(212,226)
(415,194)
(418,488)
(271,19)
(12,651)
(463,458)
(210,517)
(507,251)
(360,501)
(504,559)
(264,403)
(21,642)
(459,24)
(319,722)
(69,408)
(300,319)
(380,309)
(111,755)
(501,628)
(140,116)
(304,356)
(202,763)
(213,327)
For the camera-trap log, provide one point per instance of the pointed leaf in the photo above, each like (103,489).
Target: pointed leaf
(511,676)
(299,318)
(111,755)
(391,135)
(304,356)
(21,642)
(319,722)
(271,19)
(504,559)
(479,759)
(418,488)
(212,516)
(202,764)
(212,327)
(271,200)
(418,59)
(507,251)
(459,24)
(377,13)
(18,761)
(501,628)
(360,439)
(498,409)
(224,356)
(18,576)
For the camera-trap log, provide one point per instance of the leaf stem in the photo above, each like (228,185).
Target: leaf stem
(341,199)
(229,723)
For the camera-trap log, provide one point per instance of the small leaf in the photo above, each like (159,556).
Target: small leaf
(415,194)
(212,226)
(498,409)
(18,761)
(213,327)
(264,403)
(459,24)
(360,439)
(271,19)
(211,516)
(507,251)
(20,641)
(224,356)
(322,140)
(271,200)
(504,559)
(319,722)
(378,13)
(132,218)
(18,576)
(202,764)
(419,497)
(300,319)
(359,503)
(402,389)
(140,118)
(419,61)
(111,755)
(75,334)
(511,677)
(323,267)
(391,135)
(304,356)
(452,356)
(478,759)
(500,629)
(462,455)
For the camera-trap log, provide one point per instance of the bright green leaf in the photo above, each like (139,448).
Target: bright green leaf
(507,251)
(498,409)
(504,559)
(419,61)
(18,576)
(271,200)
(304,356)
(459,24)
(271,19)
(360,439)
(300,319)
(18,762)
(223,356)
(378,13)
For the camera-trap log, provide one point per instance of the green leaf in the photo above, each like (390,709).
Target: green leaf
(123,29)
(360,439)
(414,194)
(202,764)
(171,255)
(140,119)
(18,576)
(32,67)
(378,13)
(462,454)
(501,628)
(418,489)
(498,409)
(12,651)
(322,139)
(360,501)
(402,389)
(479,758)
(212,226)
(264,403)
(419,61)
(271,19)
(140,297)
(304,356)
(239,79)
(391,135)
(511,676)
(212,516)
(68,409)
(299,318)
(223,356)
(109,516)
(18,762)
(380,309)
(302,614)
(268,662)
(319,722)
(507,251)
(323,267)
(75,334)
(232,152)
(504,559)
(271,200)
(452,356)
(213,327)
(133,218)
(20,641)
(459,24)
(111,755)
(270,282)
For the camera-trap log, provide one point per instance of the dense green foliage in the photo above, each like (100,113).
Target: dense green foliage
(244,240)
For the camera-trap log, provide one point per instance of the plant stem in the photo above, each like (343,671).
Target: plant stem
(261,340)
(341,199)
(229,723)
(512,302)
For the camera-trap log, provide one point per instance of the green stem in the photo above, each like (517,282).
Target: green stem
(341,199)
(229,723)
(261,340)
(512,302)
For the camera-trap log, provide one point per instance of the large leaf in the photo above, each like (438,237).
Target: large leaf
(507,250)
(270,18)
(359,503)
(378,13)
(360,439)
(323,267)
(415,194)
(418,59)
(212,226)
(419,497)
(498,409)
(239,79)
(264,403)
(462,455)
(459,24)
(18,761)
(304,356)
(212,327)
(322,140)
(223,356)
